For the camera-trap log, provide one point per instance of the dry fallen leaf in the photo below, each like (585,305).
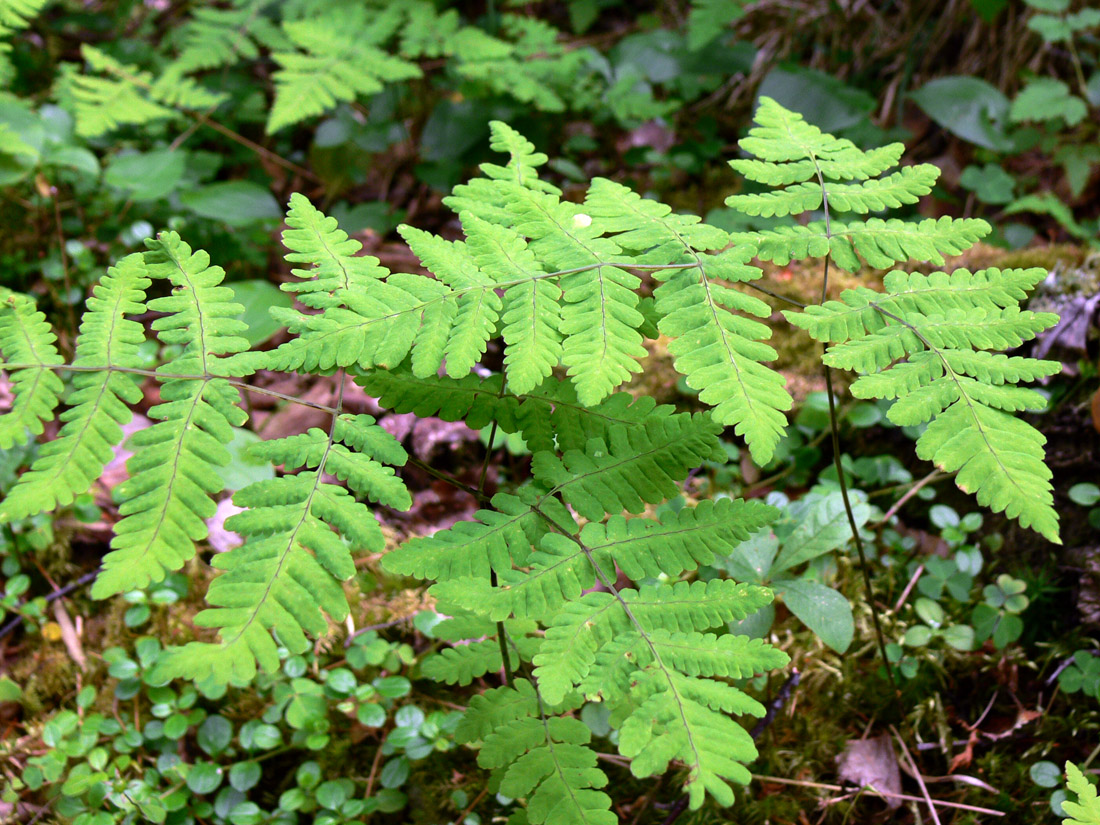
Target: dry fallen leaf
(871,762)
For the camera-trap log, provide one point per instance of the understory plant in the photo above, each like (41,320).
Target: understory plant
(567,581)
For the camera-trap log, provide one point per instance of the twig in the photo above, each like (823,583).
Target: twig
(928,479)
(87,578)
(380,626)
(777,703)
(909,587)
(462,816)
(875,791)
(917,775)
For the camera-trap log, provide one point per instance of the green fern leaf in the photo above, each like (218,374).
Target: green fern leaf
(173,472)
(215,37)
(502,537)
(599,317)
(561,569)
(99,403)
(532,314)
(335,64)
(881,243)
(632,468)
(790,152)
(487,198)
(127,95)
(676,721)
(904,187)
(461,665)
(26,340)
(287,574)
(582,627)
(540,758)
(938,367)
(334,265)
(1086,810)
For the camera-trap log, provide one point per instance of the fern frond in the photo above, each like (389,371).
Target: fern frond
(531,312)
(99,402)
(299,534)
(17,14)
(1086,810)
(317,240)
(127,95)
(599,315)
(500,538)
(487,198)
(634,466)
(166,500)
(333,65)
(27,340)
(721,352)
(686,719)
(792,153)
(459,334)
(903,187)
(938,367)
(576,634)
(881,243)
(561,569)
(215,37)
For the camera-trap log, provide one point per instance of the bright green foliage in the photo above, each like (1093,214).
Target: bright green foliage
(215,37)
(333,63)
(127,95)
(15,15)
(292,562)
(565,293)
(27,340)
(1047,98)
(1086,810)
(99,402)
(173,472)
(543,759)
(927,343)
(812,166)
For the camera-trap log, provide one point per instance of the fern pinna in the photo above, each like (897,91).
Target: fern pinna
(534,585)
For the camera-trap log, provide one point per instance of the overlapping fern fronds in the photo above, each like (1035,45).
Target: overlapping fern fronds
(535,582)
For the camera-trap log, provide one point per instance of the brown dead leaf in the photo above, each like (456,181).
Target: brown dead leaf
(872,762)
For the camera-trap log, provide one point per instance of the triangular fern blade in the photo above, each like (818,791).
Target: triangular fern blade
(720,353)
(781,135)
(26,339)
(338,65)
(100,402)
(999,459)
